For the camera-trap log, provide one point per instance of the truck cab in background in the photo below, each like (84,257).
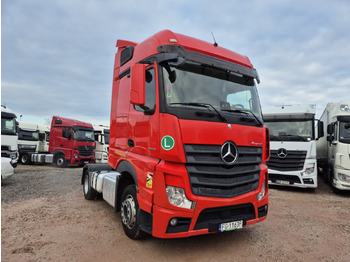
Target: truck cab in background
(293,145)
(44,138)
(70,142)
(28,141)
(333,151)
(101,134)
(9,135)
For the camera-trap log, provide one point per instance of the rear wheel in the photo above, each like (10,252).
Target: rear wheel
(129,213)
(89,192)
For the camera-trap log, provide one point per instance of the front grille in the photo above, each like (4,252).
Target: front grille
(211,218)
(210,176)
(86,150)
(5,148)
(294,161)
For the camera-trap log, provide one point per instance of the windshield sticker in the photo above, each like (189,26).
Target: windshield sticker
(168,92)
(167,143)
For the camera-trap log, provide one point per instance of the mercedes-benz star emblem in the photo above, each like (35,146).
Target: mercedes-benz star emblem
(282,153)
(229,153)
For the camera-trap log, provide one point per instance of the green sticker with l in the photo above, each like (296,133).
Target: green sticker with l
(168,143)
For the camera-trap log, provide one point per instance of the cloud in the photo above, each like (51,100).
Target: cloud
(57,56)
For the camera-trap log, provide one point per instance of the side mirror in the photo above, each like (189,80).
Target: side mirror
(330,138)
(138,84)
(320,129)
(330,129)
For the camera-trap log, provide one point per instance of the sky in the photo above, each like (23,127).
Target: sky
(57,56)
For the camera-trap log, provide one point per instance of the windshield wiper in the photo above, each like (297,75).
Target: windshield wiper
(274,138)
(297,136)
(203,105)
(244,111)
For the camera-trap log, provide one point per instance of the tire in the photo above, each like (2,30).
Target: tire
(25,160)
(129,213)
(60,161)
(89,192)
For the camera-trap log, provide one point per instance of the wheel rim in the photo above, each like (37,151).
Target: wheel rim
(24,159)
(128,212)
(60,161)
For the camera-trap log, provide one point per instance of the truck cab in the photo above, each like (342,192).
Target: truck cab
(187,147)
(44,138)
(71,142)
(293,145)
(9,135)
(101,133)
(334,150)
(28,141)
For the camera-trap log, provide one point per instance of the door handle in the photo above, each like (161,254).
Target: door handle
(131,143)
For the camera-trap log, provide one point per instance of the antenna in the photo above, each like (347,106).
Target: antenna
(215,44)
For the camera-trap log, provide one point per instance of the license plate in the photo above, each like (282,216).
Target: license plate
(231,226)
(282,182)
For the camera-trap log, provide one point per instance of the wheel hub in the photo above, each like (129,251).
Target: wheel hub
(128,212)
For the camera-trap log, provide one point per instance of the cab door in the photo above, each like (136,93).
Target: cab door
(144,119)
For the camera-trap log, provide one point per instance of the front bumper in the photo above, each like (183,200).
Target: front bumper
(295,178)
(205,220)
(341,184)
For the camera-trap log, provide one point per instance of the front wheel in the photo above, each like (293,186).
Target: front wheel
(25,160)
(129,213)
(60,161)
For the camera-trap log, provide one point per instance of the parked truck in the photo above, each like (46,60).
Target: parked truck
(70,142)
(102,143)
(293,145)
(333,151)
(9,135)
(44,138)
(28,141)
(187,147)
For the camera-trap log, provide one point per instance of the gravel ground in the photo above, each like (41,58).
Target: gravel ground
(44,217)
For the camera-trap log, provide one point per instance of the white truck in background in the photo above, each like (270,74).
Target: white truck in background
(333,151)
(101,133)
(293,145)
(44,138)
(28,141)
(9,136)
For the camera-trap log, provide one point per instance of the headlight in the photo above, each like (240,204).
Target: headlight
(262,192)
(177,197)
(76,156)
(309,170)
(344,177)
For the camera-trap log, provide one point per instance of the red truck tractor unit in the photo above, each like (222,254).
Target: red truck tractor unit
(187,143)
(71,142)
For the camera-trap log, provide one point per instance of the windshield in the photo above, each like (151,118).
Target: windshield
(344,132)
(83,134)
(8,126)
(291,130)
(221,90)
(28,135)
